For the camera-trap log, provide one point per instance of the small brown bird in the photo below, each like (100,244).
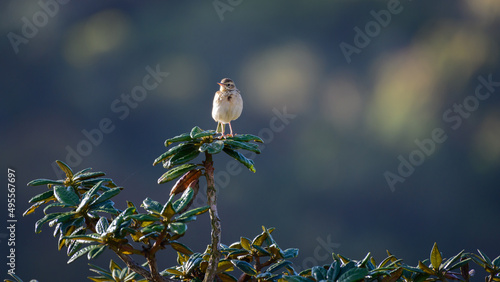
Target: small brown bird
(227,106)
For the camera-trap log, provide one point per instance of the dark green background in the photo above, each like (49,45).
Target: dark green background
(320,177)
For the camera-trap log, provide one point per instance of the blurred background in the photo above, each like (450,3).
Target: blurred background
(341,91)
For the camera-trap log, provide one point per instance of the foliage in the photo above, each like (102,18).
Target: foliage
(87,222)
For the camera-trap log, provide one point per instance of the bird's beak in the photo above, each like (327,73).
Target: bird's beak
(220,84)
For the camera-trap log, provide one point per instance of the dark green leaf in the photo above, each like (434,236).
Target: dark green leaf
(242,159)
(436,258)
(32,208)
(143,217)
(66,195)
(354,274)
(485,257)
(203,133)
(174,150)
(88,196)
(194,212)
(290,253)
(152,206)
(279,265)
(89,175)
(452,260)
(45,219)
(106,196)
(184,200)
(38,182)
(82,252)
(55,205)
(334,271)
(318,273)
(82,238)
(365,260)
(496,261)
(245,267)
(196,130)
(246,138)
(42,197)
(95,252)
(261,251)
(178,138)
(459,264)
(212,148)
(101,226)
(178,227)
(242,145)
(183,156)
(64,167)
(175,172)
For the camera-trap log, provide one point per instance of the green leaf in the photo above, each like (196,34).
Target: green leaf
(394,276)
(178,138)
(279,265)
(194,212)
(178,227)
(152,206)
(290,253)
(42,197)
(334,271)
(212,148)
(452,260)
(89,175)
(82,238)
(196,130)
(38,182)
(460,264)
(436,258)
(101,226)
(184,200)
(181,248)
(32,208)
(94,253)
(496,261)
(172,151)
(66,195)
(242,159)
(242,145)
(318,273)
(261,251)
(45,219)
(246,138)
(106,196)
(183,156)
(365,260)
(175,172)
(82,252)
(203,133)
(64,167)
(143,217)
(354,274)
(485,257)
(88,196)
(245,267)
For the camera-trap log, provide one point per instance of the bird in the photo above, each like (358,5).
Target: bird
(227,105)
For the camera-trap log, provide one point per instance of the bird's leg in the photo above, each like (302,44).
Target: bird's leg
(231,134)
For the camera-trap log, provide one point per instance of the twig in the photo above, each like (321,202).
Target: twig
(214,220)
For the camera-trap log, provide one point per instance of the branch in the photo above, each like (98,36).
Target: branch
(139,269)
(214,220)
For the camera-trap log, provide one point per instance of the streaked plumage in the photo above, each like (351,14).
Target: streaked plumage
(227,105)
